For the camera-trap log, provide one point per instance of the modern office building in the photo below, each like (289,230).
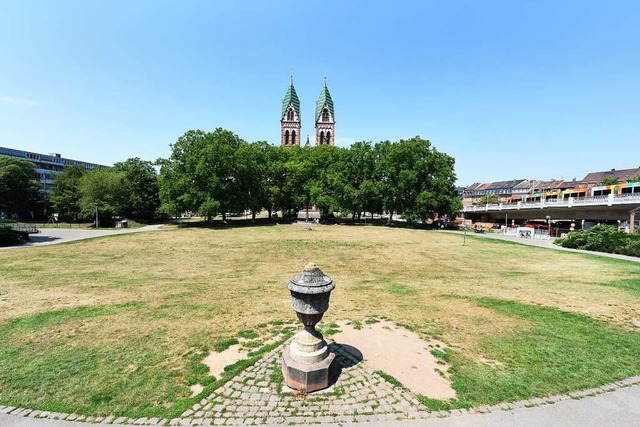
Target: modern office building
(47,165)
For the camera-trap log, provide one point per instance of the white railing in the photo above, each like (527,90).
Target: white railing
(609,200)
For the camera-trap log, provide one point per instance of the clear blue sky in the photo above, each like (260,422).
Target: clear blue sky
(511,89)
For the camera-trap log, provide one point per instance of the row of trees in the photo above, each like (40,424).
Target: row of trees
(128,189)
(217,172)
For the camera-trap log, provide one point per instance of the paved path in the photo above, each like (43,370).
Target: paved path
(544,244)
(51,236)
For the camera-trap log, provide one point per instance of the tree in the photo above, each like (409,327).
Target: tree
(609,180)
(19,186)
(101,190)
(139,193)
(201,174)
(215,173)
(65,197)
(489,199)
(361,191)
(252,175)
(415,180)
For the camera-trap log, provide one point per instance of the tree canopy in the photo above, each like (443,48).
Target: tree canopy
(128,189)
(19,185)
(217,173)
(65,198)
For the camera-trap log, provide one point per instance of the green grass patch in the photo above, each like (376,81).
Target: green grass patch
(253,344)
(399,289)
(556,352)
(248,334)
(434,404)
(390,379)
(224,344)
(51,318)
(631,285)
(443,354)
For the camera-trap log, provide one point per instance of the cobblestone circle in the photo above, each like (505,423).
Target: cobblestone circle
(257,397)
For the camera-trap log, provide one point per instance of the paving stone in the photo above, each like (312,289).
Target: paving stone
(119,420)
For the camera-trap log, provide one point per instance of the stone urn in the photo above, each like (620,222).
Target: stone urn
(307,362)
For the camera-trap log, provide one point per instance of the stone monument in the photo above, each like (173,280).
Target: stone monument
(307,362)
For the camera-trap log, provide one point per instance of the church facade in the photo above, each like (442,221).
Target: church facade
(291,123)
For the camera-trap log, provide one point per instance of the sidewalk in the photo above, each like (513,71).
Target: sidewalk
(51,236)
(548,244)
(619,408)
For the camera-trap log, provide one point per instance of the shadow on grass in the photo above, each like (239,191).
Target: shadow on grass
(262,222)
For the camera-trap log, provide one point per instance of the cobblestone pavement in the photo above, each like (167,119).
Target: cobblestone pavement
(359,395)
(257,397)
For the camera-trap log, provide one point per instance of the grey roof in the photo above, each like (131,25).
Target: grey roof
(623,175)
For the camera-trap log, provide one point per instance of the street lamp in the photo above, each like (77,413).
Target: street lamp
(549,222)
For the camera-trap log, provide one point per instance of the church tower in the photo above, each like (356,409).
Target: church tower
(325,119)
(290,120)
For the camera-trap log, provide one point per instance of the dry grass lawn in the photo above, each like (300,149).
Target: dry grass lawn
(142,303)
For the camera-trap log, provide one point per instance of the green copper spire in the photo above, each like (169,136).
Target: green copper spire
(291,97)
(324,98)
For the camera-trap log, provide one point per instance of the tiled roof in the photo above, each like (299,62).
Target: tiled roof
(623,175)
(291,97)
(324,99)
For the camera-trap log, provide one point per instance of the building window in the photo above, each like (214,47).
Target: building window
(293,137)
(321,137)
(286,137)
(328,137)
(290,114)
(325,115)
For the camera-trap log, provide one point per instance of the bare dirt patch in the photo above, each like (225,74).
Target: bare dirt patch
(217,361)
(402,354)
(196,389)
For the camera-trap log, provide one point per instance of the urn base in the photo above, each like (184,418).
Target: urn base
(307,377)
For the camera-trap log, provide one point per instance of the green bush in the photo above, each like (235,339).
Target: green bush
(603,238)
(9,237)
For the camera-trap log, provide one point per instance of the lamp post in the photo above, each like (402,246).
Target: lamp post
(549,224)
(97,223)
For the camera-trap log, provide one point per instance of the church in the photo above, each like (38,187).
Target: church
(291,122)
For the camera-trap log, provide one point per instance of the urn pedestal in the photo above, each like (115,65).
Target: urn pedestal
(307,362)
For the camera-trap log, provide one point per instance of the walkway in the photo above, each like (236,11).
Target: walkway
(51,236)
(545,244)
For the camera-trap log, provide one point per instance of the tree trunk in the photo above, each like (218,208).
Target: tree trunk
(253,216)
(390,216)
(224,216)
(269,213)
